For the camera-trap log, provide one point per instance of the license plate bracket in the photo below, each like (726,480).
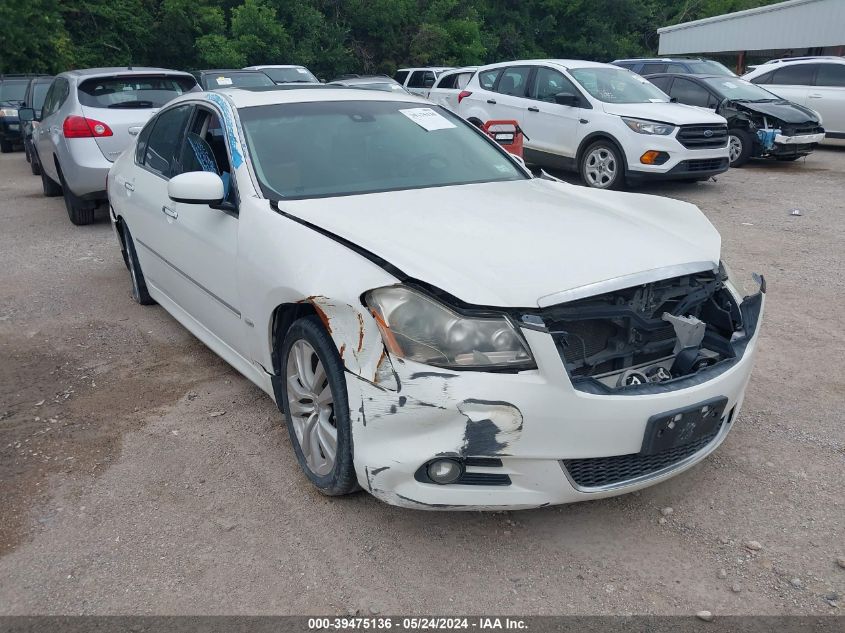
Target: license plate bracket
(679,427)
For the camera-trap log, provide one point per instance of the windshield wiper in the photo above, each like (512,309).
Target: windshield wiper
(132,104)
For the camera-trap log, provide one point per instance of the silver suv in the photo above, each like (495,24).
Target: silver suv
(89,117)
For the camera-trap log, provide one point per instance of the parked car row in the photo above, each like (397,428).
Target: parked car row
(427,369)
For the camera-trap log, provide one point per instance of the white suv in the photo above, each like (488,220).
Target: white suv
(419,81)
(449,85)
(814,82)
(606,122)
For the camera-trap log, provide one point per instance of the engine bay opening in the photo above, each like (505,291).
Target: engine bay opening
(654,333)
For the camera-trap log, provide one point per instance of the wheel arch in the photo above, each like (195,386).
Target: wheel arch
(591,138)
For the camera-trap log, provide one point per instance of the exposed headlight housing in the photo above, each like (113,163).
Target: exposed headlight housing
(12,112)
(641,126)
(420,328)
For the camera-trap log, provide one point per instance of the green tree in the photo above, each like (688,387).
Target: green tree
(34,37)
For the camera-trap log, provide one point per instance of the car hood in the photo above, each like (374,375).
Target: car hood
(675,113)
(784,110)
(518,243)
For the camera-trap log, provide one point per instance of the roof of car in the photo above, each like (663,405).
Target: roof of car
(693,77)
(227,70)
(564,63)
(120,70)
(251,97)
(365,79)
(800,60)
(263,66)
(661,59)
(437,68)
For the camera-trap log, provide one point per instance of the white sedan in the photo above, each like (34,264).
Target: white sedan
(438,326)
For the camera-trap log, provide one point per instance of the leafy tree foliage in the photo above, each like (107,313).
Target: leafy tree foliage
(332,36)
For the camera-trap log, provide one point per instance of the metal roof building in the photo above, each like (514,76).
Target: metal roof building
(796,27)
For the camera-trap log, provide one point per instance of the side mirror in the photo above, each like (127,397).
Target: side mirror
(196,187)
(26,114)
(566,99)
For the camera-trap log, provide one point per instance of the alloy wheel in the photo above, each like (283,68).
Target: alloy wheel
(600,168)
(311,407)
(734,148)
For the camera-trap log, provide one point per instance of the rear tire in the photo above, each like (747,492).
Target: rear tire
(740,146)
(311,369)
(139,285)
(48,185)
(602,165)
(79,211)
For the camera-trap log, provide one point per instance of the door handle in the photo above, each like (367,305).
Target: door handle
(171,213)
(129,186)
(533,109)
(134,131)
(493,101)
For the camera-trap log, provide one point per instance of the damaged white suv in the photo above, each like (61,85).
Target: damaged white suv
(439,327)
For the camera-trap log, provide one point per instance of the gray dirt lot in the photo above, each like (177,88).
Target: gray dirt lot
(123,489)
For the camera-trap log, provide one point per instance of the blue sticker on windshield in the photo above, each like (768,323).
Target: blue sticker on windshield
(229,124)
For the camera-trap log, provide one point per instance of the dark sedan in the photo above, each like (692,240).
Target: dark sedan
(760,124)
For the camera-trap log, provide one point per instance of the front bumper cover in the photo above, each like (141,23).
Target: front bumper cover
(531,422)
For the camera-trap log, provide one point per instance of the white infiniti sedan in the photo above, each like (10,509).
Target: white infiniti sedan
(438,326)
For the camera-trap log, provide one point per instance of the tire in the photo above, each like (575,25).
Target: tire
(602,165)
(49,186)
(34,165)
(740,146)
(306,349)
(139,284)
(79,211)
(26,153)
(5,147)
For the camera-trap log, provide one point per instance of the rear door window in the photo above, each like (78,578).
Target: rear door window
(831,75)
(135,91)
(487,79)
(401,76)
(164,139)
(421,79)
(651,67)
(662,82)
(447,81)
(514,81)
(795,75)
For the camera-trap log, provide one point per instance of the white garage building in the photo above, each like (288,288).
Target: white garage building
(786,29)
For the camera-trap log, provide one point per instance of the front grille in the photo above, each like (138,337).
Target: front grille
(703,136)
(801,130)
(702,164)
(596,472)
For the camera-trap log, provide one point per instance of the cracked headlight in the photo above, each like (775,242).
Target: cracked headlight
(419,328)
(641,126)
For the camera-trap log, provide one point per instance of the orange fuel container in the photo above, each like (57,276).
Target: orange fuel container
(506,133)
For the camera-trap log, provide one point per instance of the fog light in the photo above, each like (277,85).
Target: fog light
(652,157)
(444,471)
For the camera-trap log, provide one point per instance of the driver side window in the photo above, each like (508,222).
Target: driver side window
(548,83)
(204,149)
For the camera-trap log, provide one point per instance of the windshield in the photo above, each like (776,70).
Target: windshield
(132,92)
(709,67)
(335,148)
(738,89)
(39,93)
(11,90)
(616,85)
(290,75)
(238,79)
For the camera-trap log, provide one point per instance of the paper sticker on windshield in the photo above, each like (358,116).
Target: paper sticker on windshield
(428,119)
(224,81)
(301,71)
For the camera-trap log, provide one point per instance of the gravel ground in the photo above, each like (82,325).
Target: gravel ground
(140,474)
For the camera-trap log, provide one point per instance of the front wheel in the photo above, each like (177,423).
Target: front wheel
(740,145)
(316,407)
(602,166)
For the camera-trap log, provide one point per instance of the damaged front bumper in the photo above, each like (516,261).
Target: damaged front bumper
(531,438)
